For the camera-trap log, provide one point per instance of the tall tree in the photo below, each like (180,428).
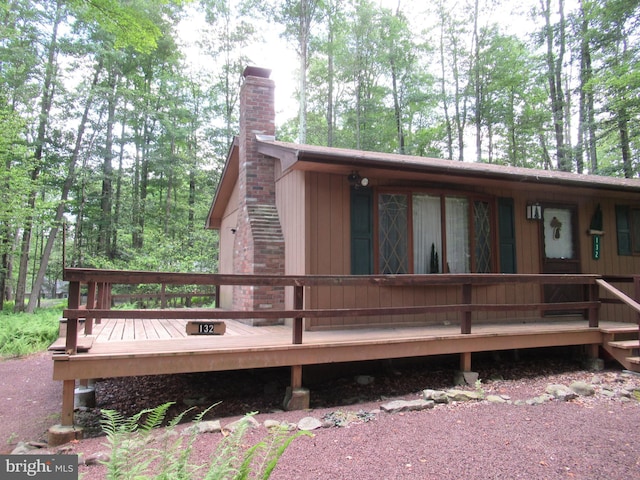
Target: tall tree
(400,54)
(618,79)
(64,196)
(554,37)
(298,17)
(46,102)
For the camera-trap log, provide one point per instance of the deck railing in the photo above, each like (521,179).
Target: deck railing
(99,286)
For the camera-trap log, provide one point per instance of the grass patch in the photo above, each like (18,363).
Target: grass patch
(23,333)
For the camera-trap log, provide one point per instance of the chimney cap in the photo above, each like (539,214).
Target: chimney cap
(252,71)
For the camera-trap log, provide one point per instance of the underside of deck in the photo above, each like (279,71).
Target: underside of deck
(149,347)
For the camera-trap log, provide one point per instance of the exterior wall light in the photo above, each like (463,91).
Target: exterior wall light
(356,181)
(534,211)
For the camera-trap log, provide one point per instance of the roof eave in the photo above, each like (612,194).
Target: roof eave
(294,156)
(224,190)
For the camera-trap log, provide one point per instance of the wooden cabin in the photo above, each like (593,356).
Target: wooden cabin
(291,209)
(343,244)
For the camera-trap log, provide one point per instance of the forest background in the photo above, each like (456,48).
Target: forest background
(116,116)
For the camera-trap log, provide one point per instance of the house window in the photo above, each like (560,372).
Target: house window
(423,233)
(628,230)
(392,233)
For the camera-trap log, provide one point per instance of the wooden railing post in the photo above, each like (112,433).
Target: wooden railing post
(593,290)
(636,297)
(91,303)
(163,298)
(71,344)
(465,324)
(298,304)
(101,298)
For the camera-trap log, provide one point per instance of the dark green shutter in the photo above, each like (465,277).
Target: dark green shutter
(623,230)
(361,231)
(507,235)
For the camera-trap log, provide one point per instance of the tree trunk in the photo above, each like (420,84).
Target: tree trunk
(106,198)
(443,90)
(45,107)
(396,109)
(477,87)
(625,147)
(118,197)
(304,33)
(66,188)
(330,79)
(554,76)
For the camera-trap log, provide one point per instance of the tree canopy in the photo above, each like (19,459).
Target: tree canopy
(116,115)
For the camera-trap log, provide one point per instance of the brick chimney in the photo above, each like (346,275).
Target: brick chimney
(259,242)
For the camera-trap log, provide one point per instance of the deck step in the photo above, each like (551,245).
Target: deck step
(625,344)
(634,360)
(85,342)
(631,328)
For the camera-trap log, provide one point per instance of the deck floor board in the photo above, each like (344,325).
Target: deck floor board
(162,346)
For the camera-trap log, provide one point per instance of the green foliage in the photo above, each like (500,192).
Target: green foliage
(126,438)
(135,456)
(129,22)
(149,128)
(24,334)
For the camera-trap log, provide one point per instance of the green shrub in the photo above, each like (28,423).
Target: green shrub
(132,457)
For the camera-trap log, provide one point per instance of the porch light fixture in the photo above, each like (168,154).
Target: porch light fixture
(356,181)
(534,211)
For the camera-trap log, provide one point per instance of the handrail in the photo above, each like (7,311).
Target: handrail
(100,281)
(86,275)
(620,295)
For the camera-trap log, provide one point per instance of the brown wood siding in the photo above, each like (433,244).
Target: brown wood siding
(225,250)
(290,201)
(328,250)
(329,241)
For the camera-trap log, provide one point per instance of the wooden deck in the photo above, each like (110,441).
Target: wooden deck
(152,342)
(129,347)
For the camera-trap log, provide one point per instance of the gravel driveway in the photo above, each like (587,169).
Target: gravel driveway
(587,438)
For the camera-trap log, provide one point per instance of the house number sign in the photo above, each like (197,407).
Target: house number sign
(596,232)
(206,328)
(595,244)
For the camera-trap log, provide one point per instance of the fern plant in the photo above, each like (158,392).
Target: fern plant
(133,458)
(257,462)
(126,438)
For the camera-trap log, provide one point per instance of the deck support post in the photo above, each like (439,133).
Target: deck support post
(68,391)
(465,361)
(296,376)
(465,376)
(66,431)
(593,360)
(296,397)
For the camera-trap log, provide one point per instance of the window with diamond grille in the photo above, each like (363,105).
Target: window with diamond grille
(482,226)
(393,233)
(424,233)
